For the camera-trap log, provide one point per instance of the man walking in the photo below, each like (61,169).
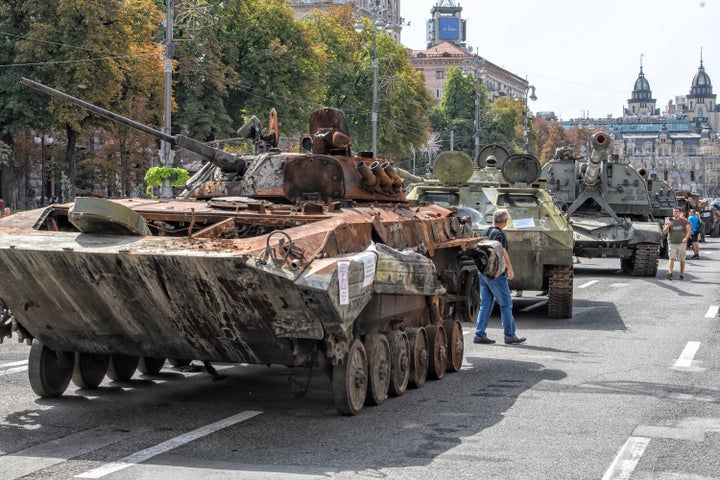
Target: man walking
(497,288)
(694,220)
(678,231)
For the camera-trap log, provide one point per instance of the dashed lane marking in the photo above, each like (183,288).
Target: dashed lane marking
(13,367)
(627,459)
(687,355)
(171,444)
(591,282)
(712,311)
(38,457)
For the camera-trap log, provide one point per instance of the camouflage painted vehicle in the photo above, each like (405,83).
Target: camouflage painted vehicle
(539,236)
(299,259)
(662,201)
(608,205)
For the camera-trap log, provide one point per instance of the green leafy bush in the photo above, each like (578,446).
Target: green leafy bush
(156,175)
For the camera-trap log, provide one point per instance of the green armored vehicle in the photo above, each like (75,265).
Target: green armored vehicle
(608,205)
(539,236)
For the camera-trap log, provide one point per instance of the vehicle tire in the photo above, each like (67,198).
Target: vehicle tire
(49,371)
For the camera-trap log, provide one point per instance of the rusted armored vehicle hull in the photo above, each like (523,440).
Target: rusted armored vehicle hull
(357,290)
(309,258)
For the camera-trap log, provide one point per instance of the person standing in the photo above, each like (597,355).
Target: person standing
(694,220)
(678,231)
(497,289)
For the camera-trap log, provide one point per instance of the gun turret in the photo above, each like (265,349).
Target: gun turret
(220,158)
(600,143)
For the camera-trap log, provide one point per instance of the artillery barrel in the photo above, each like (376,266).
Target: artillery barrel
(224,160)
(600,143)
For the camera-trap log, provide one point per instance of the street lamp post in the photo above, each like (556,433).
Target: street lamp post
(526,114)
(375,13)
(479,74)
(43,140)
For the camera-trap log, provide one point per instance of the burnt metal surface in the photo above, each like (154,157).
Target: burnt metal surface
(272,258)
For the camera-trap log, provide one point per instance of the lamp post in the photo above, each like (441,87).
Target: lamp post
(526,114)
(375,13)
(479,74)
(43,140)
(166,153)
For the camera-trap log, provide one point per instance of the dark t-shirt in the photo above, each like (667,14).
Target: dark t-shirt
(494,233)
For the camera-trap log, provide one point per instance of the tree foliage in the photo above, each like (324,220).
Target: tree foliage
(231,59)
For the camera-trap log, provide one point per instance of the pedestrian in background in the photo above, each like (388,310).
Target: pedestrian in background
(678,231)
(497,288)
(694,220)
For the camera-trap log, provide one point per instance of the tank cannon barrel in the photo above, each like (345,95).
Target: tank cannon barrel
(600,143)
(222,159)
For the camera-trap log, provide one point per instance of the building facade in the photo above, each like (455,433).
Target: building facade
(446,48)
(680,144)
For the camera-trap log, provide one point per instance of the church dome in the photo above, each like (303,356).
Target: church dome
(701,78)
(641,90)
(641,84)
(701,85)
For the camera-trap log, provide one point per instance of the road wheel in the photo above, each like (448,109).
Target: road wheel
(122,367)
(400,363)
(418,356)
(150,365)
(560,291)
(378,356)
(49,371)
(455,344)
(90,369)
(350,380)
(469,308)
(438,356)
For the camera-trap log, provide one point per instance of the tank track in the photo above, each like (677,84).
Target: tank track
(644,262)
(560,291)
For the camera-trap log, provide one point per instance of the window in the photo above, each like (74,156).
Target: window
(515,200)
(440,74)
(444,199)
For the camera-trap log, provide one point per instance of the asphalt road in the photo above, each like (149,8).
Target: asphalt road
(627,388)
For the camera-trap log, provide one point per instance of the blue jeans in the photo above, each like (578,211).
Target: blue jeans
(490,291)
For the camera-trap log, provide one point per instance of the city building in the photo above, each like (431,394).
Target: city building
(446,48)
(679,144)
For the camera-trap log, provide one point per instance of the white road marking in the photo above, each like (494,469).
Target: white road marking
(10,371)
(14,364)
(171,444)
(712,311)
(619,285)
(687,355)
(627,459)
(45,455)
(534,306)
(591,282)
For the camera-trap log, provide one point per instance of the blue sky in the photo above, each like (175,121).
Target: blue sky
(583,56)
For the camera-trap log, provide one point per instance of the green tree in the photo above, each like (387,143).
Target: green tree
(456,113)
(403,101)
(277,61)
(202,74)
(98,51)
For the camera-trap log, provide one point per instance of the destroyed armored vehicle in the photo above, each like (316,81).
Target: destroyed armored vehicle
(298,259)
(538,233)
(608,205)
